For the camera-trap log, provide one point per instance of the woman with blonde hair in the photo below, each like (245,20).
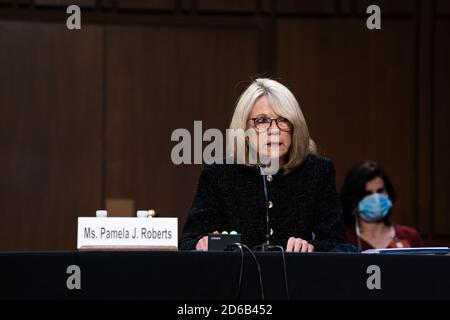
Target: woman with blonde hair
(299,193)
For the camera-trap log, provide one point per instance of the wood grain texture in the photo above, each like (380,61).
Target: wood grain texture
(87,116)
(50,133)
(356,89)
(441,117)
(161,79)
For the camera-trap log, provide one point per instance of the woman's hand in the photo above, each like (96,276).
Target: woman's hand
(298,245)
(202,244)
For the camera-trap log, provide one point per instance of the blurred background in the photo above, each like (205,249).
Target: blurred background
(86,115)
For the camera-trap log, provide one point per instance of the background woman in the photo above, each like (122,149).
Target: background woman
(367,198)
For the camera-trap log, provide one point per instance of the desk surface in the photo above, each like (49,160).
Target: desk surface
(214,275)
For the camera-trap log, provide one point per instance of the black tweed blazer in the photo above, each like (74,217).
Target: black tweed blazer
(304,204)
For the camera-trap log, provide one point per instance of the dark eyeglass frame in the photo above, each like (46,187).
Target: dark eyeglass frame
(270,125)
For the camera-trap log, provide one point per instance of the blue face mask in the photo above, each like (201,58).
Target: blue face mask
(374,207)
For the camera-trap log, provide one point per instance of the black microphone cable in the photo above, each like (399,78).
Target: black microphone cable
(241,247)
(286,282)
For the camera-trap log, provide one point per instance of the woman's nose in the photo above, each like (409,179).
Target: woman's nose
(273,130)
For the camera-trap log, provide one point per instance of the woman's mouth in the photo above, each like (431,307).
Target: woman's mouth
(272,144)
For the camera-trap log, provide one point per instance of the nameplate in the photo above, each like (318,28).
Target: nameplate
(127,234)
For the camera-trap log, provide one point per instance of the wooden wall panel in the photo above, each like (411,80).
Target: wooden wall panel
(441,118)
(81,3)
(50,133)
(424,106)
(74,134)
(158,80)
(397,7)
(154,4)
(227,5)
(443,7)
(346,6)
(306,6)
(356,89)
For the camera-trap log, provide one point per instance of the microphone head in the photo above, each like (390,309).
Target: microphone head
(260,167)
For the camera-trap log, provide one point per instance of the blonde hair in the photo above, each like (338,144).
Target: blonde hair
(285,105)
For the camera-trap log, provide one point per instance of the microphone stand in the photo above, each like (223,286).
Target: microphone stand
(265,246)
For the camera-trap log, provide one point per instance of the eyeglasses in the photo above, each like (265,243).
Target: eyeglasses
(263,124)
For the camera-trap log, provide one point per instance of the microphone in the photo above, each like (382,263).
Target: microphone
(263,246)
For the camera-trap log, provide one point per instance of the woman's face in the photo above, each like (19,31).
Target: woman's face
(376,185)
(272,142)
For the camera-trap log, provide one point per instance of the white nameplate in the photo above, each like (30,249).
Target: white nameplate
(127,233)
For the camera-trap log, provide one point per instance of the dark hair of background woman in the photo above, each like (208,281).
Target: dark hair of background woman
(354,189)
